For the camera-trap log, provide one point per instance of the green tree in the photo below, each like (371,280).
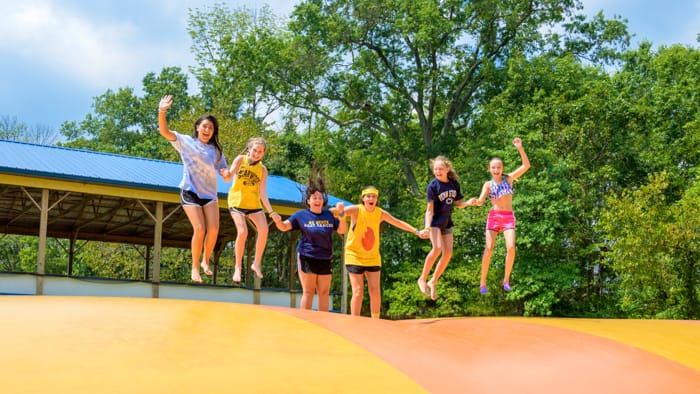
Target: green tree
(413,72)
(660,90)
(235,51)
(652,245)
(125,123)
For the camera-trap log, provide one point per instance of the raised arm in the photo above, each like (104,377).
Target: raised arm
(523,156)
(165,103)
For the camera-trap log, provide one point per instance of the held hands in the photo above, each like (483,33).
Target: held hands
(339,210)
(471,202)
(165,103)
(423,234)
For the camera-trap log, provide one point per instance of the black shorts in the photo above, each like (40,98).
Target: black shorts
(445,227)
(361,269)
(188,197)
(244,211)
(310,265)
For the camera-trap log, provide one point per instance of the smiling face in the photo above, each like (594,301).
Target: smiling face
(315,202)
(496,168)
(205,130)
(440,170)
(256,152)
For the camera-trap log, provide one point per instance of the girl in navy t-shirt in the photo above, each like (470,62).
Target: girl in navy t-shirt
(315,248)
(443,193)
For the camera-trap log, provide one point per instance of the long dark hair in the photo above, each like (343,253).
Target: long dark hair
(317,183)
(214,140)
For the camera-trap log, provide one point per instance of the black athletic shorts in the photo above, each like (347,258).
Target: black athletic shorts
(244,211)
(361,269)
(188,197)
(310,265)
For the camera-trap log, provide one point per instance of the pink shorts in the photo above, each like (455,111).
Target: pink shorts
(500,220)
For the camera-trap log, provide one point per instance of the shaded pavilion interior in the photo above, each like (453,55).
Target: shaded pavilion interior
(54,192)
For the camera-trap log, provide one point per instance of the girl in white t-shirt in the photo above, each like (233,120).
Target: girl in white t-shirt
(202,158)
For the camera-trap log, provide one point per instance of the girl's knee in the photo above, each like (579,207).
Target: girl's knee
(242,234)
(198,233)
(198,227)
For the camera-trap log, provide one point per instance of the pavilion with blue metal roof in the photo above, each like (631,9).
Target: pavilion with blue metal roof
(58,192)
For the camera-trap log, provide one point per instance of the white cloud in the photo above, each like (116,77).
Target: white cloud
(85,50)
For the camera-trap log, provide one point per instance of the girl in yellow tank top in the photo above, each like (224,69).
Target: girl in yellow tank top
(362,257)
(246,198)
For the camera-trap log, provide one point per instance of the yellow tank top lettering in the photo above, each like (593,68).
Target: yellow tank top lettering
(245,190)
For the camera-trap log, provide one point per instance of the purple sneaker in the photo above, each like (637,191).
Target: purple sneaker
(483,290)
(506,286)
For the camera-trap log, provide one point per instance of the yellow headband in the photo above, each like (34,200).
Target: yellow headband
(370,190)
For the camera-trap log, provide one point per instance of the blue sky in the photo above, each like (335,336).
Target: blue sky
(57,55)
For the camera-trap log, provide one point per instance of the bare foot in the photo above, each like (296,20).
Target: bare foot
(432,286)
(257,270)
(195,276)
(206,269)
(421,286)
(237,275)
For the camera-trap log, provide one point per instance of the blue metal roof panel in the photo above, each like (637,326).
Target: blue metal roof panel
(88,166)
(20,158)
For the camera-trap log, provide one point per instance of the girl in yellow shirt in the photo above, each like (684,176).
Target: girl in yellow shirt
(246,199)
(362,257)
